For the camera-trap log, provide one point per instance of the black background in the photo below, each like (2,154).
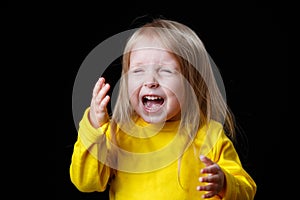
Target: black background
(248,42)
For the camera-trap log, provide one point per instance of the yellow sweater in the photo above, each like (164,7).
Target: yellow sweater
(148,166)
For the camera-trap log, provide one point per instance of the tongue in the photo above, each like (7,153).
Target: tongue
(153,104)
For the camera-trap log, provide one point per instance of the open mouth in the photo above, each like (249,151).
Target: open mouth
(152,103)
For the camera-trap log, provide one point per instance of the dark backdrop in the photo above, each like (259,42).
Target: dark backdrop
(249,44)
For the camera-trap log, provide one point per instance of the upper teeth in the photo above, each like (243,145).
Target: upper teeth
(152,97)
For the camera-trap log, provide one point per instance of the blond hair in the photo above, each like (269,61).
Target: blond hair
(195,67)
(203,99)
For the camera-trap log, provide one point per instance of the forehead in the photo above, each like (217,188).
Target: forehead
(149,49)
(151,55)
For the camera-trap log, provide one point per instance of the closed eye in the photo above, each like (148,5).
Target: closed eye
(166,70)
(137,70)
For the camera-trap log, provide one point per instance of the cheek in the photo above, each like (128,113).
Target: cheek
(175,100)
(175,89)
(133,91)
(134,83)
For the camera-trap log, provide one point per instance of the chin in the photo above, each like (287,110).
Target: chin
(154,119)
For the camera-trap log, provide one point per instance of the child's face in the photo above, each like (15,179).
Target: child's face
(155,85)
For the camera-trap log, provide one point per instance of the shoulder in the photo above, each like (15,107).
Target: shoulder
(213,128)
(209,136)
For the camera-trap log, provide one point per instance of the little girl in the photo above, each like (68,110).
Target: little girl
(170,134)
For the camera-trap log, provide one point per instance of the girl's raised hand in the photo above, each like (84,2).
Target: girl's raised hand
(215,179)
(98,114)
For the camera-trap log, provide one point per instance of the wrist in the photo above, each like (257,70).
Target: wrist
(221,194)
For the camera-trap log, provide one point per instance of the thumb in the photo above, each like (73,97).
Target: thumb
(206,160)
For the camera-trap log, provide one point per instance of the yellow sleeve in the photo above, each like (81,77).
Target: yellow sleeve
(239,184)
(87,171)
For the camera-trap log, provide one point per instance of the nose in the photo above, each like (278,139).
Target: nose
(151,84)
(150,79)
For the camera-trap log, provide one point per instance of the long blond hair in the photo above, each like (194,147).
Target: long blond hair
(195,67)
(203,99)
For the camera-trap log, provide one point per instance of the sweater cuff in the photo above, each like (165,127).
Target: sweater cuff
(88,133)
(229,191)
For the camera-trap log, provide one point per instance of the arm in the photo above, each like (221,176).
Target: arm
(239,184)
(88,171)
(227,177)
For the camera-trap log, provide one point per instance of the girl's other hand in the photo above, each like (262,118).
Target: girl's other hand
(215,179)
(98,114)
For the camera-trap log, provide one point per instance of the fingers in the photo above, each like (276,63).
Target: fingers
(103,104)
(211,190)
(98,85)
(100,88)
(206,160)
(209,179)
(214,179)
(211,167)
(100,98)
(98,112)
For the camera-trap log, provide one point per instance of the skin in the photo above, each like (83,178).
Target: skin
(215,179)
(155,72)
